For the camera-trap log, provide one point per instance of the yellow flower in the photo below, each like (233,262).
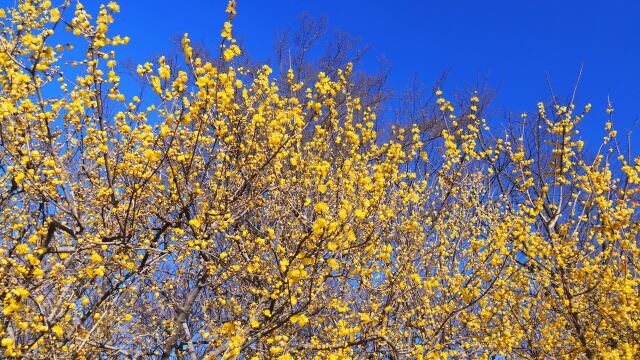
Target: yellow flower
(231,8)
(21,292)
(155,84)
(226,31)
(300,319)
(416,278)
(96,258)
(165,72)
(57,329)
(231,52)
(22,249)
(365,317)
(186,47)
(321,207)
(54,15)
(113,6)
(333,264)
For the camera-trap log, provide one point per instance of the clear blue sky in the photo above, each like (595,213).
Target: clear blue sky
(512,42)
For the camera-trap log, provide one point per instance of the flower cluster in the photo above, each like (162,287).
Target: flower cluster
(226,214)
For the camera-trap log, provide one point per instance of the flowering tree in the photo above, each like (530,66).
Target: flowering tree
(231,215)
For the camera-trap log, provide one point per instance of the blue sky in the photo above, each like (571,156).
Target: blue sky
(512,43)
